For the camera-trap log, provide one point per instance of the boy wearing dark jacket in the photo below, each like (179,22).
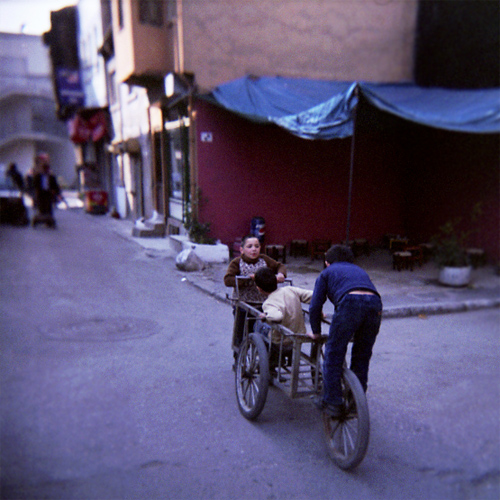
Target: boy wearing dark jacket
(358,314)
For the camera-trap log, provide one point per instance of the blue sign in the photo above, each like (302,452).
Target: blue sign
(69,88)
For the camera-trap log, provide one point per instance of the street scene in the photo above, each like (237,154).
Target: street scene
(117,383)
(249,250)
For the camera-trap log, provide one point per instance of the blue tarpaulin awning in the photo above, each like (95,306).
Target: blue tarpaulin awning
(472,111)
(319,109)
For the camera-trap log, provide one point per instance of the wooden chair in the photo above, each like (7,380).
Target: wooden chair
(277,252)
(398,244)
(402,260)
(427,251)
(407,258)
(319,248)
(417,254)
(299,248)
(360,246)
(235,250)
(477,257)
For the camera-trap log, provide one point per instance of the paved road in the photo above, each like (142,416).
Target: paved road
(116,383)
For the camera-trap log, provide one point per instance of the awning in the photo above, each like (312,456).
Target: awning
(473,111)
(93,127)
(318,109)
(312,109)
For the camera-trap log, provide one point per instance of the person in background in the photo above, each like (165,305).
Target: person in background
(16,176)
(358,314)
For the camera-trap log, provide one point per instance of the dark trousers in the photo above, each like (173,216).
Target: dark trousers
(357,317)
(240,317)
(44,202)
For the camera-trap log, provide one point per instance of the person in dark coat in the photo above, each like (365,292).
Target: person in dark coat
(16,176)
(46,191)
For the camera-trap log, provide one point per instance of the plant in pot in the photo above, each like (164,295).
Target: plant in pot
(198,231)
(451,251)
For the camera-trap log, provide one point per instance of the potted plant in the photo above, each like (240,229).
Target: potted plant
(198,231)
(451,251)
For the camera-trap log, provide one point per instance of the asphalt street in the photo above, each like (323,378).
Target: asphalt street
(117,384)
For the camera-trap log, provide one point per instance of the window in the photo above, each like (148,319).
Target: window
(112,87)
(151,12)
(171,13)
(120,13)
(176,165)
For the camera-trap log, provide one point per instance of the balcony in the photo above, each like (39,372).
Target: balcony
(30,118)
(29,85)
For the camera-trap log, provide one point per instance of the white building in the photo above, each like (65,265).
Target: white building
(117,157)
(90,39)
(28,122)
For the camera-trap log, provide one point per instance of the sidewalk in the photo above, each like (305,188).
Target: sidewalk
(404,293)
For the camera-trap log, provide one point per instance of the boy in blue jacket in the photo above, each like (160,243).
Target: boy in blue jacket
(358,313)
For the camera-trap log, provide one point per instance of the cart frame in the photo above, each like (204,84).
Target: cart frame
(298,374)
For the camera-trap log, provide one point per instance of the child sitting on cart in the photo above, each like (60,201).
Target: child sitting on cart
(250,261)
(282,305)
(247,265)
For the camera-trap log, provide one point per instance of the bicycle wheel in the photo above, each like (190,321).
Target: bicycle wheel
(347,437)
(252,376)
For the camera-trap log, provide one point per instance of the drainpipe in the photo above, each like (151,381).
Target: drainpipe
(193,160)
(180,39)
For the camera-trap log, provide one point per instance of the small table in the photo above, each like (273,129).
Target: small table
(417,254)
(319,248)
(402,260)
(299,248)
(477,257)
(397,244)
(360,246)
(276,252)
(427,250)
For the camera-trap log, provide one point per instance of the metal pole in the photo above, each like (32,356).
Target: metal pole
(351,168)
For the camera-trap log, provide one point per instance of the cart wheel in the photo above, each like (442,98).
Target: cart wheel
(252,376)
(347,437)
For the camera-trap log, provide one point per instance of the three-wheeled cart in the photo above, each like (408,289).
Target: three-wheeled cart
(293,364)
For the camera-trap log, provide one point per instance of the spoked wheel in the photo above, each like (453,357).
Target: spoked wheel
(347,437)
(252,376)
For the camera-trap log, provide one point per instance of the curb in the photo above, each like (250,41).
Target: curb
(387,313)
(216,295)
(398,312)
(445,308)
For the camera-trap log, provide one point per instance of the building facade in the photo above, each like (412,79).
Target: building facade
(138,54)
(90,124)
(28,123)
(188,160)
(371,40)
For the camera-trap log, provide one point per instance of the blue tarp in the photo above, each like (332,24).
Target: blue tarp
(318,109)
(472,111)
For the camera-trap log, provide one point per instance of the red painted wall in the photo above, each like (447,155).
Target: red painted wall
(408,180)
(299,186)
(446,175)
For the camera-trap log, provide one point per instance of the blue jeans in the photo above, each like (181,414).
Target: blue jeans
(357,317)
(262,328)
